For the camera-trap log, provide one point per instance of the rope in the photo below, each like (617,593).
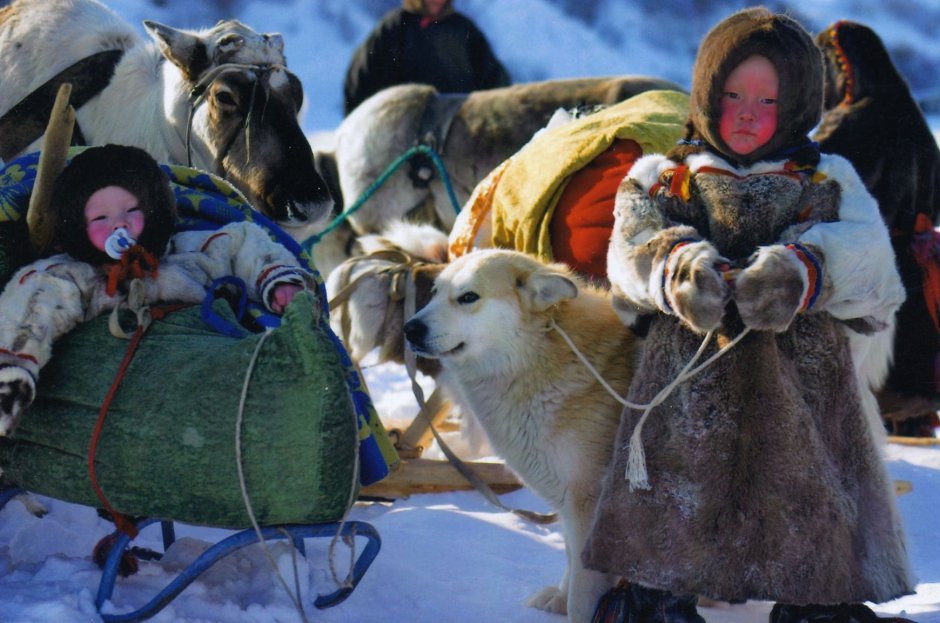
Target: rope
(636,472)
(294,597)
(123,523)
(310,242)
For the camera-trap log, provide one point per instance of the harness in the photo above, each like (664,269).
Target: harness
(438,115)
(197,96)
(26,122)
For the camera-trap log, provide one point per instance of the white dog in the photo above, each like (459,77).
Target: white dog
(491,324)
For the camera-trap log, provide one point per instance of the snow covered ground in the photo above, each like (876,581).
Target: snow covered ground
(449,557)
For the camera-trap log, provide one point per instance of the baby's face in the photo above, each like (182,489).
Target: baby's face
(109,208)
(749,105)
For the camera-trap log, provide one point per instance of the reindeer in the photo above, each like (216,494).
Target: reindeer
(224,103)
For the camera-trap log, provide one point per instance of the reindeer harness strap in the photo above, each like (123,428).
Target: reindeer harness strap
(439,114)
(26,122)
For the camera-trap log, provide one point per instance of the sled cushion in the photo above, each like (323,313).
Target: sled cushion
(167,448)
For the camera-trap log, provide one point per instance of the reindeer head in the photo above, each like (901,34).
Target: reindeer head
(243,113)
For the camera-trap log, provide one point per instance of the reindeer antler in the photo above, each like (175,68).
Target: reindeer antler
(55,149)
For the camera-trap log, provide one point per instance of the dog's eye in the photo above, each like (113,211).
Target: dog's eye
(468,297)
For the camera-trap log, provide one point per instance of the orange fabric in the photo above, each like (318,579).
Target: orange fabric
(477,209)
(135,263)
(584,216)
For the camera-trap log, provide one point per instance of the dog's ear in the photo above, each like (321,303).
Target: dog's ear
(545,288)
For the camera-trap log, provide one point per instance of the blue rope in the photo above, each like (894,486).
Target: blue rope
(309,243)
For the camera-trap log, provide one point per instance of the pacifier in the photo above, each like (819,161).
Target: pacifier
(117,243)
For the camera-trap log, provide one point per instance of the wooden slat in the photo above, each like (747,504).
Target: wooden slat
(431,476)
(914,441)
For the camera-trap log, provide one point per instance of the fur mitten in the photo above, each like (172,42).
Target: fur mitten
(774,287)
(17,390)
(694,289)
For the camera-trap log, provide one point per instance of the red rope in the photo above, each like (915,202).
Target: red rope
(123,522)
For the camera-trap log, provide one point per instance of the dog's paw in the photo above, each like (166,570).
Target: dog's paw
(17,390)
(550,599)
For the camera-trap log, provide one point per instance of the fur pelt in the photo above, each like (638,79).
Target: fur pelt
(871,119)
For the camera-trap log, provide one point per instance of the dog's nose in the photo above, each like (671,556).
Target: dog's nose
(415,332)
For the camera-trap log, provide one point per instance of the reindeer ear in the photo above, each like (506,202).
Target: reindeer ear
(546,288)
(185,50)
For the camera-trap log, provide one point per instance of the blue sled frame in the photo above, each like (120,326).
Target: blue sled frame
(295,532)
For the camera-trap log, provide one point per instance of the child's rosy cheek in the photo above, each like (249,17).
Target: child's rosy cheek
(97,233)
(135,223)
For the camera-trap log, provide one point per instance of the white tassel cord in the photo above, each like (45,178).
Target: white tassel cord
(293,594)
(636,473)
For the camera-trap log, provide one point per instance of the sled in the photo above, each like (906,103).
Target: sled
(307,436)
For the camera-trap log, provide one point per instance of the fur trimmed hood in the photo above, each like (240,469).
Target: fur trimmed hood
(799,64)
(857,65)
(130,168)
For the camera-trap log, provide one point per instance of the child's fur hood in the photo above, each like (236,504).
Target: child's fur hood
(130,168)
(799,66)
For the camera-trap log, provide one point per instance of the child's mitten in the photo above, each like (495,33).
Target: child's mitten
(779,282)
(693,287)
(17,390)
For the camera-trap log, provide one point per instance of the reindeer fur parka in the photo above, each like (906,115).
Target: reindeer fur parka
(46,299)
(765,480)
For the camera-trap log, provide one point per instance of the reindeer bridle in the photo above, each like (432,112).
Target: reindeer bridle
(197,96)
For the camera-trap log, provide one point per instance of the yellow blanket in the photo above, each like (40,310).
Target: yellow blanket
(532,181)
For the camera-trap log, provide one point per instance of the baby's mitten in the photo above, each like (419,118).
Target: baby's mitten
(779,282)
(692,286)
(17,390)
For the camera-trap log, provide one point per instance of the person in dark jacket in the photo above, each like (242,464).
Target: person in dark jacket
(427,42)
(871,119)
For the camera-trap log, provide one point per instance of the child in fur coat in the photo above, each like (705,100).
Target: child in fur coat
(764,479)
(115,216)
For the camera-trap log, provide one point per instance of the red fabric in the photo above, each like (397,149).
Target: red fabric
(584,216)
(926,248)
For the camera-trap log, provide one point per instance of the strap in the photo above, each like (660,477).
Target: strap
(214,320)
(26,122)
(439,114)
(123,522)
(465,470)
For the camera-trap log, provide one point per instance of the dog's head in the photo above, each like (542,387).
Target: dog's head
(483,306)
